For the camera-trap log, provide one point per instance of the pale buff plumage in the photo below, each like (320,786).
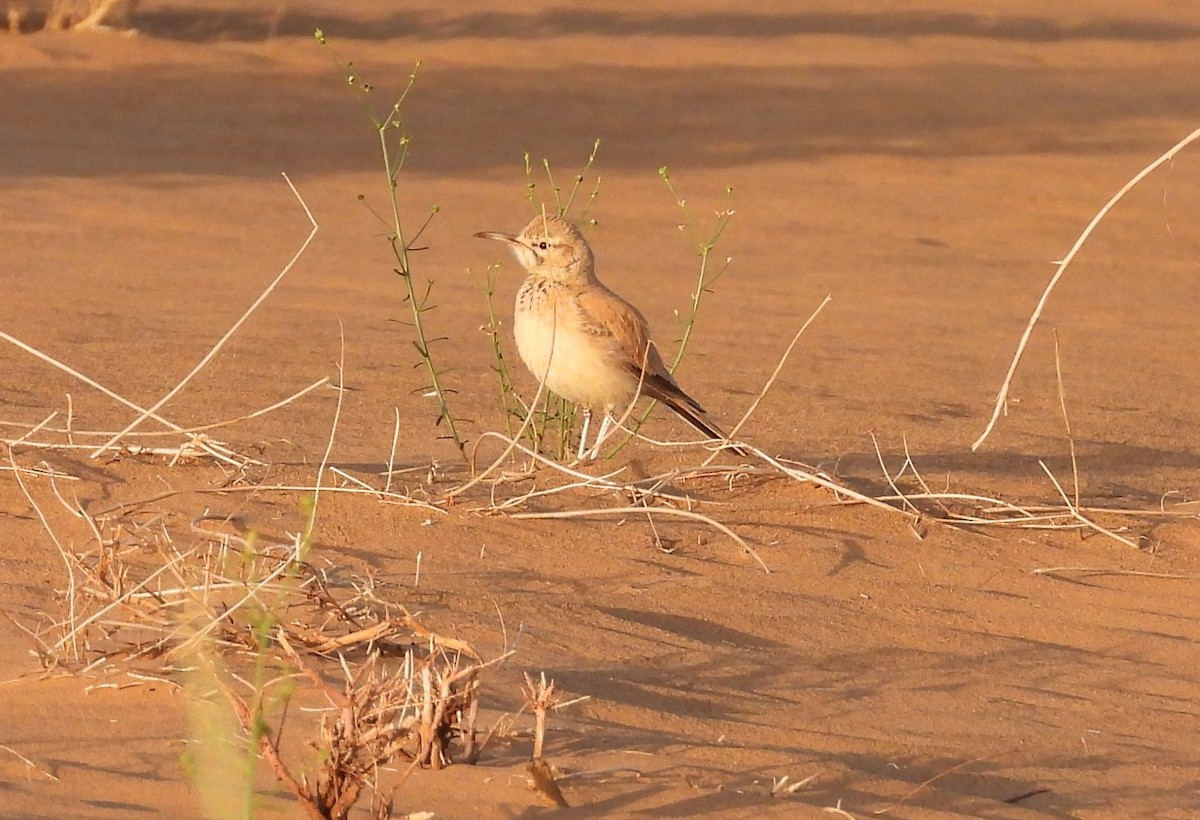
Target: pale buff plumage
(585,342)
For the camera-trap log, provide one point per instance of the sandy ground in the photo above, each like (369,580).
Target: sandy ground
(923,164)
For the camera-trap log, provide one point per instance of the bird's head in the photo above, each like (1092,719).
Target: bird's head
(551,247)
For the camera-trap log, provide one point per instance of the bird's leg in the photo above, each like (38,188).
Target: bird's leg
(587,420)
(600,437)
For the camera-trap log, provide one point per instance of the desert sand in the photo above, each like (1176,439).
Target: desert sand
(924,165)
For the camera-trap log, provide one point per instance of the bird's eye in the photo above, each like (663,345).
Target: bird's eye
(543,245)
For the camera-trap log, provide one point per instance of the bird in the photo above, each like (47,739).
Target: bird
(583,341)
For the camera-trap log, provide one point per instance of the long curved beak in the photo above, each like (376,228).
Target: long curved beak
(503,237)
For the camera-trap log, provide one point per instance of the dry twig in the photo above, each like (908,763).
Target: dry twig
(145,414)
(1002,396)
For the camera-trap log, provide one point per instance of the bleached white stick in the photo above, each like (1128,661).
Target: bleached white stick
(1062,266)
(228,334)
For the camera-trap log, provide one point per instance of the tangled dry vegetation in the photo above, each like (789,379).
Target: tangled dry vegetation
(57,15)
(240,619)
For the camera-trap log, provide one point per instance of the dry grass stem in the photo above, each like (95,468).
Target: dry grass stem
(891,481)
(938,498)
(1085,571)
(337,415)
(145,414)
(920,786)
(71,433)
(805,476)
(479,478)
(1002,396)
(29,764)
(775,373)
(1079,516)
(391,470)
(345,476)
(212,448)
(667,511)
(1062,402)
(31,431)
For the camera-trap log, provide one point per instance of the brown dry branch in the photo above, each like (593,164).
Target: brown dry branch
(269,750)
(116,607)
(58,15)
(415,711)
(217,594)
(540,698)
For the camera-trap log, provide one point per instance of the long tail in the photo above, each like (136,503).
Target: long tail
(690,411)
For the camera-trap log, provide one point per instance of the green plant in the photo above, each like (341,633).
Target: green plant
(508,397)
(393,147)
(553,424)
(225,772)
(563,208)
(706,277)
(704,246)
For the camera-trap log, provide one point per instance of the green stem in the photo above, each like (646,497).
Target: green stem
(506,387)
(579,181)
(392,162)
(704,248)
